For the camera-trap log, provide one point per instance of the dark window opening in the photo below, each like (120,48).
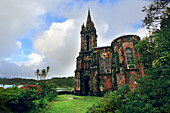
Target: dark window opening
(129,56)
(101,66)
(104,65)
(117,60)
(87,42)
(107,65)
(131,66)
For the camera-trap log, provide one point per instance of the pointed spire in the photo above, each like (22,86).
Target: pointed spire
(89,23)
(88,17)
(82,27)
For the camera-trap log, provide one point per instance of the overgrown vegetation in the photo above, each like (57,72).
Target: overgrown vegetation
(152,92)
(111,101)
(28,98)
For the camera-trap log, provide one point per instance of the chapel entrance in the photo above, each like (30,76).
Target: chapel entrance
(86,85)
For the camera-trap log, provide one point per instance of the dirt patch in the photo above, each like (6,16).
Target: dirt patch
(70,98)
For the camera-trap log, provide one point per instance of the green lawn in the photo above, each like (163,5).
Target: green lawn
(71,104)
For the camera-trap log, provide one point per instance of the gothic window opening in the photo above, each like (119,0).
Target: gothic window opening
(87,42)
(101,66)
(107,65)
(104,65)
(129,56)
(117,60)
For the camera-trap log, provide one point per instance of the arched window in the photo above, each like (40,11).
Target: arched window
(101,66)
(88,42)
(129,56)
(104,65)
(107,65)
(117,60)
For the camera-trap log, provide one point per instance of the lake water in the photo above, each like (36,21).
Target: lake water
(7,86)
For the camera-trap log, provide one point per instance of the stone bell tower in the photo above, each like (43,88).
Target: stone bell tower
(88,35)
(82,72)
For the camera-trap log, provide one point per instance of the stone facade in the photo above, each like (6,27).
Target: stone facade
(100,69)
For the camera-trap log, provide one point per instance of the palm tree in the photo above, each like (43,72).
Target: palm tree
(48,69)
(41,75)
(44,73)
(37,73)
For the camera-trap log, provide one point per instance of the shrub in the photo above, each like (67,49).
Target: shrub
(111,101)
(48,90)
(28,98)
(21,100)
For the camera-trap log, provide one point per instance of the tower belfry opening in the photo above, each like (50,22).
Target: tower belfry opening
(87,37)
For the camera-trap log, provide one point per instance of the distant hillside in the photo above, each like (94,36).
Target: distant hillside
(17,81)
(62,82)
(59,81)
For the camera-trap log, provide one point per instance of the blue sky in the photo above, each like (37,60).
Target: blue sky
(21,54)
(50,18)
(36,34)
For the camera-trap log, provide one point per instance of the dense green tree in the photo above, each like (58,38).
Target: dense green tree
(155,13)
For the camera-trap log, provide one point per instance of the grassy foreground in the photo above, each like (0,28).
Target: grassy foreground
(71,104)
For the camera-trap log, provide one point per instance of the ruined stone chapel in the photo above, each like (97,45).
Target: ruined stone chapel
(100,69)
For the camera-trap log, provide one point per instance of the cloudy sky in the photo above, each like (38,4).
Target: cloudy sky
(35,34)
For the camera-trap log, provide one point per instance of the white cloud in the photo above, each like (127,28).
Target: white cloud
(143,32)
(59,45)
(16,18)
(23,69)
(13,70)
(51,40)
(34,58)
(19,44)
